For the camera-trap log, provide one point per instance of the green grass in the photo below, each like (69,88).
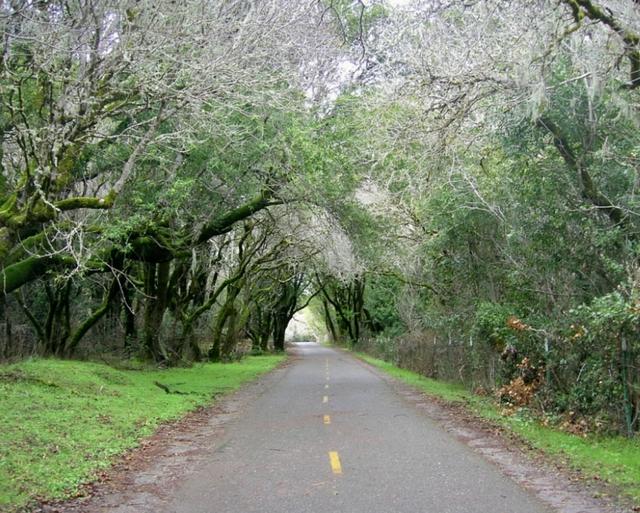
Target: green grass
(615,460)
(63,421)
(448,391)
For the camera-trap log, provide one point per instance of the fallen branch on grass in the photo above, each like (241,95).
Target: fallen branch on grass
(167,390)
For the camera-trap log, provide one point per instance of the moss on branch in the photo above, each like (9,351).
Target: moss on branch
(14,276)
(86,202)
(225,222)
(586,8)
(163,245)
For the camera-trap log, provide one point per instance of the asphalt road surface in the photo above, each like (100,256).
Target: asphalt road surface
(331,436)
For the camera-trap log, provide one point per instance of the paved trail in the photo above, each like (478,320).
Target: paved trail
(331,436)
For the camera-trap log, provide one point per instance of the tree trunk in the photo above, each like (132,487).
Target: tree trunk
(328,321)
(6,329)
(222,320)
(279,332)
(156,284)
(229,340)
(188,341)
(130,333)
(215,353)
(57,326)
(109,295)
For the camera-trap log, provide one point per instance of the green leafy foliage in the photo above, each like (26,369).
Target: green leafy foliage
(380,300)
(528,258)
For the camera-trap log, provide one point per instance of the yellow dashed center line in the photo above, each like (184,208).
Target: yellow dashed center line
(326,386)
(325,399)
(334,459)
(327,419)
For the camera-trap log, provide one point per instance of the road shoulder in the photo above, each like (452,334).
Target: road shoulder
(143,480)
(561,488)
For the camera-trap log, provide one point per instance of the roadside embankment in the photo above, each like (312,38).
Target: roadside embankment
(64,421)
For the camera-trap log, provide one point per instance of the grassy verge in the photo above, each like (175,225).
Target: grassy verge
(612,459)
(62,421)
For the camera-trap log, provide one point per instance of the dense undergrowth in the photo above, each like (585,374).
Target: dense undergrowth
(63,421)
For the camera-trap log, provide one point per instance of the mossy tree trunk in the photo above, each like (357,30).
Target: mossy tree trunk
(235,328)
(57,326)
(224,319)
(129,314)
(284,310)
(110,295)
(328,321)
(259,325)
(156,280)
(5,329)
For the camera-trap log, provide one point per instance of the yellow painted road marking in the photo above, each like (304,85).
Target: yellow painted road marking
(326,386)
(327,419)
(325,399)
(334,459)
